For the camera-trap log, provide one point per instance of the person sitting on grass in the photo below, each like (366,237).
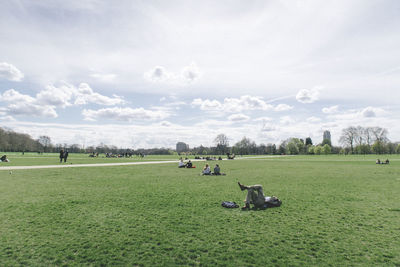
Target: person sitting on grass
(255,196)
(206,170)
(217,170)
(189,164)
(4,159)
(378,161)
(181,164)
(387,161)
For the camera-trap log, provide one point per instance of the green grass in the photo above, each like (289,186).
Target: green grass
(336,211)
(29,159)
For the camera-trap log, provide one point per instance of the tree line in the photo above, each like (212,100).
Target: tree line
(353,140)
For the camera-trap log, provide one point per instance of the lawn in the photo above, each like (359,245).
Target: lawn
(336,211)
(28,159)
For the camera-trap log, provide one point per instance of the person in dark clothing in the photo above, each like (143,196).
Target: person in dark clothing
(61,155)
(217,170)
(65,156)
(189,164)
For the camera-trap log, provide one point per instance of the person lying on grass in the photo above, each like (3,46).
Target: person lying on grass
(255,196)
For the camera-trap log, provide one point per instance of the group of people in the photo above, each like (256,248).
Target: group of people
(378,161)
(207,170)
(255,194)
(63,155)
(182,164)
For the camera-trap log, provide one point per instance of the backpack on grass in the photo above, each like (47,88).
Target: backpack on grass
(229,204)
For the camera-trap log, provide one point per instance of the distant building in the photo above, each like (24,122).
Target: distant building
(182,147)
(327,136)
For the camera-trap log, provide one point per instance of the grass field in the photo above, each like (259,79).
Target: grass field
(28,159)
(336,211)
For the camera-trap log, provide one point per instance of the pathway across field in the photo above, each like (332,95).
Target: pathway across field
(9,168)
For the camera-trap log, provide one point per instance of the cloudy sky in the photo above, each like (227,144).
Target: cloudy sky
(143,74)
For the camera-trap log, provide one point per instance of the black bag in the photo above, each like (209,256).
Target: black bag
(229,204)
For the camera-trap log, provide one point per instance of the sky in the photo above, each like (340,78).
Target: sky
(145,74)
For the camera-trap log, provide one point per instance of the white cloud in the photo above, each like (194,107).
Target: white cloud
(330,110)
(56,96)
(30,109)
(86,95)
(283,107)
(14,96)
(123,114)
(191,73)
(104,77)
(286,120)
(47,100)
(207,104)
(25,105)
(233,105)
(10,72)
(158,74)
(313,119)
(187,75)
(263,119)
(370,112)
(165,124)
(268,127)
(238,117)
(7,118)
(308,95)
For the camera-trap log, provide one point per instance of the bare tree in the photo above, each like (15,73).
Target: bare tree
(348,137)
(222,143)
(45,141)
(380,134)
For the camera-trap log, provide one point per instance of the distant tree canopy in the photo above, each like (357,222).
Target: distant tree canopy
(12,141)
(362,140)
(355,140)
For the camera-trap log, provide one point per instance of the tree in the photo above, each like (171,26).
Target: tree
(270,149)
(292,148)
(363,149)
(222,143)
(318,150)
(378,147)
(245,146)
(380,134)
(326,142)
(308,141)
(391,148)
(326,149)
(398,149)
(348,137)
(45,141)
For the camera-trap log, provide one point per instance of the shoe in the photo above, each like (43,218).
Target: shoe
(246,207)
(242,187)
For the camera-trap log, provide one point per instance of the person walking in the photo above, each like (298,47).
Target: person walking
(65,156)
(61,155)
